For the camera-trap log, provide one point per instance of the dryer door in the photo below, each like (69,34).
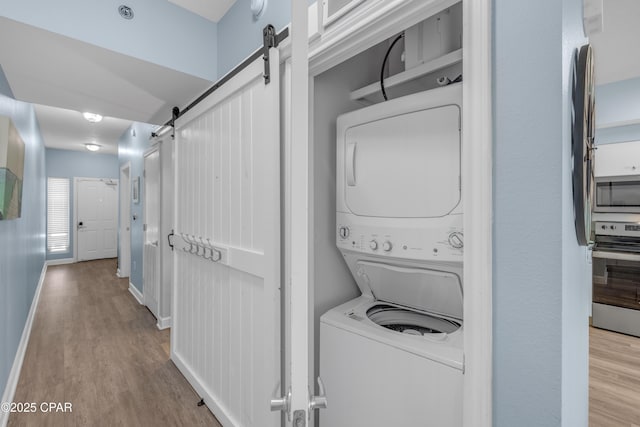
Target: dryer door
(404,166)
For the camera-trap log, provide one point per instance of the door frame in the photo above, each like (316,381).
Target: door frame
(155,148)
(124,236)
(343,41)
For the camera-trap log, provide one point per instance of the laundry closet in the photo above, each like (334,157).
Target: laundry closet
(338,259)
(387,211)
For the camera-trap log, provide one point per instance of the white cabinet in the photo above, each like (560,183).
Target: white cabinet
(619,159)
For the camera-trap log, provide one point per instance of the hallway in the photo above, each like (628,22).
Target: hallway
(92,345)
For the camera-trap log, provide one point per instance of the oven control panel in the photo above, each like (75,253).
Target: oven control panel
(630,229)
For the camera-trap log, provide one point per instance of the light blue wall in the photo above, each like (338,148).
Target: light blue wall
(23,239)
(160,32)
(71,164)
(618,102)
(239,35)
(539,271)
(617,134)
(131,149)
(576,272)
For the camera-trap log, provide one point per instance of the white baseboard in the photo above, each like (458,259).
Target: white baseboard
(14,375)
(62,261)
(136,294)
(164,322)
(118,274)
(219,411)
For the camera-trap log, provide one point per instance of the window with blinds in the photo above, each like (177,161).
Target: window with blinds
(57,214)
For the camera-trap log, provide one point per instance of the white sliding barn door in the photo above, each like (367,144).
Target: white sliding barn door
(226,309)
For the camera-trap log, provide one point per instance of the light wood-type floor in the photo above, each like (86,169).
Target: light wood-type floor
(614,379)
(94,346)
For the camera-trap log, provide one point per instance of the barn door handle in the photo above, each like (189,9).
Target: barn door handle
(169,236)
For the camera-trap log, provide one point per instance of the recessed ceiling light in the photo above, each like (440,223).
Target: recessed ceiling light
(92,147)
(92,117)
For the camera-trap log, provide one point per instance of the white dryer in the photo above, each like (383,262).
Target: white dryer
(394,355)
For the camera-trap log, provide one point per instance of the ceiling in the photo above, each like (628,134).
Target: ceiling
(68,130)
(616,47)
(49,69)
(213,10)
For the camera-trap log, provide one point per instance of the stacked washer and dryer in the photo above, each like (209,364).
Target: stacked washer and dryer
(394,355)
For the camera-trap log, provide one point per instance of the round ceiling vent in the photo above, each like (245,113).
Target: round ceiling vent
(125,11)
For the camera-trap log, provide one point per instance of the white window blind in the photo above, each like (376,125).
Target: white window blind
(57,214)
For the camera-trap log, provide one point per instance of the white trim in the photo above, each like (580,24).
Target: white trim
(61,261)
(301,344)
(477,160)
(222,413)
(14,375)
(74,224)
(136,294)
(368,26)
(164,323)
(608,125)
(359,31)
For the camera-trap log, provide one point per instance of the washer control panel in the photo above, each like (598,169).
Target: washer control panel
(420,243)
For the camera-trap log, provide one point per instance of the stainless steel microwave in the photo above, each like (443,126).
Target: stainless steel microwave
(617,194)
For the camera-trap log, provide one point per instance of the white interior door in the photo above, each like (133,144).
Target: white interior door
(96,218)
(124,262)
(151,250)
(226,300)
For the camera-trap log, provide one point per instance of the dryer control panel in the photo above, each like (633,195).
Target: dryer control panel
(442,242)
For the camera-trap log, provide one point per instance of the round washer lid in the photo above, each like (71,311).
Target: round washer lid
(433,291)
(410,322)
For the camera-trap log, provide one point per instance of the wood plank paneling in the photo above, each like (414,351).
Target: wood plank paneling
(227,336)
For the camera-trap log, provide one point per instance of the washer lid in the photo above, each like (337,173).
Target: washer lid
(434,291)
(411,322)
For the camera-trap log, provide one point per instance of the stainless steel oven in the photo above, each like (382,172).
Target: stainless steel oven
(616,277)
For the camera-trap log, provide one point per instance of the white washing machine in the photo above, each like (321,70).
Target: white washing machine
(394,356)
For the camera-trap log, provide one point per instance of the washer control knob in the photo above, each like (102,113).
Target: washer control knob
(373,245)
(387,246)
(344,232)
(456,240)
